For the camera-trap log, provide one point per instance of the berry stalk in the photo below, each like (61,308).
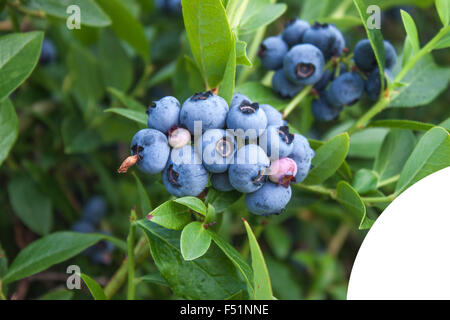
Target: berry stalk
(131,265)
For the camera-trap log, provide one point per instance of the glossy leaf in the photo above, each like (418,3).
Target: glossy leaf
(329,157)
(431,154)
(209,36)
(366,143)
(91,14)
(241,54)
(411,30)
(48,251)
(9,125)
(261,279)
(195,241)
(170,215)
(365,180)
(222,200)
(266,15)
(126,26)
(396,148)
(402,124)
(94,288)
(443,8)
(127,101)
(32,206)
(193,203)
(155,278)
(211,276)
(226,89)
(137,116)
(19,54)
(350,199)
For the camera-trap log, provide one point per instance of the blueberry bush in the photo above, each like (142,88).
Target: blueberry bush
(312,122)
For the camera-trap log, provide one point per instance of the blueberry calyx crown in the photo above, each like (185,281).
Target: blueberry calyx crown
(285,135)
(172,175)
(262,50)
(150,108)
(305,70)
(135,149)
(202,95)
(248,108)
(224,147)
(260,178)
(286,180)
(318,25)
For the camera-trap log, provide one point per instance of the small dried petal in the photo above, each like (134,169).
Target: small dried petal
(128,163)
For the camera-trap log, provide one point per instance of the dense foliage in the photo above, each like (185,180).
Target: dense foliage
(71,101)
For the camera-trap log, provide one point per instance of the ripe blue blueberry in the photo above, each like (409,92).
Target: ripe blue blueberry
(302,154)
(328,76)
(372,85)
(323,111)
(325,37)
(48,52)
(247,172)
(152,149)
(365,57)
(271,52)
(277,142)
(100,253)
(346,90)
(274,117)
(184,174)
(94,210)
(303,64)
(284,87)
(270,199)
(221,182)
(293,31)
(164,114)
(206,107)
(83,227)
(217,149)
(248,120)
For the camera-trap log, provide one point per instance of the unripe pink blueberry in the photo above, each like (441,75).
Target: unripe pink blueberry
(282,171)
(179,137)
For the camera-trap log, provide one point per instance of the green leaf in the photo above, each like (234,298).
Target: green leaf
(32,206)
(192,203)
(279,240)
(329,157)
(375,37)
(91,14)
(170,215)
(366,143)
(411,30)
(195,241)
(350,199)
(188,79)
(211,215)
(261,279)
(138,116)
(211,276)
(235,257)
(19,54)
(9,125)
(209,36)
(423,84)
(222,200)
(155,278)
(226,89)
(48,251)
(402,124)
(365,180)
(94,288)
(77,137)
(396,148)
(235,10)
(126,26)
(61,294)
(431,154)
(444,42)
(146,205)
(127,101)
(443,8)
(241,54)
(266,15)
(261,94)
(116,66)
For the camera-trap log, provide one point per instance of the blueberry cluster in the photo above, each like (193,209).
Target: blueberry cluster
(93,213)
(299,58)
(246,147)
